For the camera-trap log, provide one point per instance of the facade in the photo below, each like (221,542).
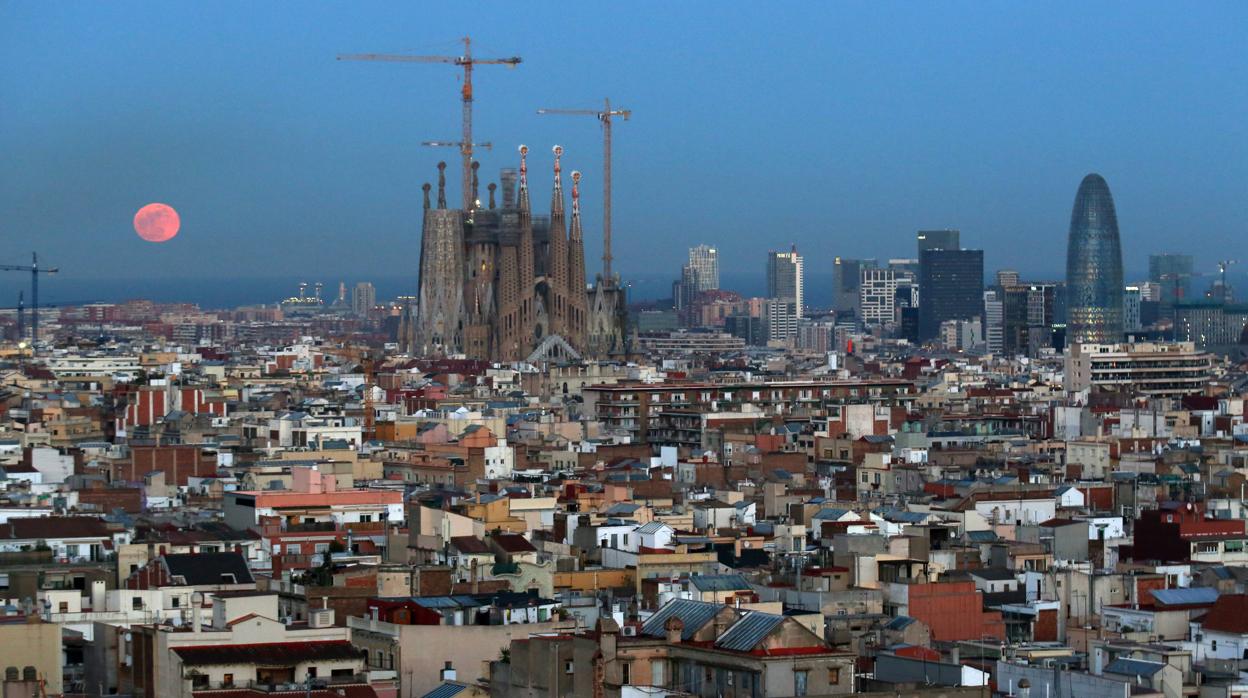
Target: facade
(704,265)
(1173,273)
(785,277)
(1144,368)
(937,240)
(877,296)
(780,316)
(1028,316)
(994,322)
(1131,300)
(502,284)
(363,298)
(847,275)
(951,287)
(1210,324)
(1094,266)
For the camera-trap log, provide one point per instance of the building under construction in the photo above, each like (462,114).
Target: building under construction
(501,284)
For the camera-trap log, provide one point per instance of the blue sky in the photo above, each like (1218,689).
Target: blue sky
(841,127)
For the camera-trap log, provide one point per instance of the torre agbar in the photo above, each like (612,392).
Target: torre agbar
(1094,266)
(500,284)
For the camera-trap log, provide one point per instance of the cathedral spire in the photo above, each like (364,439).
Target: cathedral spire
(492,186)
(425,188)
(441,185)
(474,201)
(556,194)
(576,198)
(524,177)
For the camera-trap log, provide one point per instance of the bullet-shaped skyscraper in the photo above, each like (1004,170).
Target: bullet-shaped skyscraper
(1094,266)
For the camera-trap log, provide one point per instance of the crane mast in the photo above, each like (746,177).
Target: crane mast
(467,62)
(35,271)
(604,116)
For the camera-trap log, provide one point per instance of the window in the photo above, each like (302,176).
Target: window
(626,673)
(366,518)
(136,603)
(799,682)
(1213,645)
(834,676)
(568,667)
(1206,547)
(656,672)
(63,607)
(311,672)
(293,548)
(321,548)
(176,601)
(227,680)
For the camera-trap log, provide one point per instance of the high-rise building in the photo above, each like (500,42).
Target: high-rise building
(1028,317)
(938,240)
(781,318)
(1007,278)
(704,264)
(1174,273)
(877,297)
(363,298)
(846,278)
(785,279)
(1131,300)
(951,287)
(1093,266)
(994,321)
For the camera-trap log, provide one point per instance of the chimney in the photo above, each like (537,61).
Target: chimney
(674,627)
(197,603)
(1024,688)
(448,672)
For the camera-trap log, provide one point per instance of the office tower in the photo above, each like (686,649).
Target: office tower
(1028,317)
(846,277)
(1093,266)
(1007,278)
(951,287)
(1131,301)
(877,297)
(781,318)
(938,240)
(363,298)
(994,321)
(704,264)
(785,279)
(1173,272)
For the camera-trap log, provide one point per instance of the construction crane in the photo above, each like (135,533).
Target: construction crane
(1224,290)
(466,61)
(603,116)
(35,271)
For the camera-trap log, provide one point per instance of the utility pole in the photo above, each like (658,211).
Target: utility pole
(466,61)
(603,116)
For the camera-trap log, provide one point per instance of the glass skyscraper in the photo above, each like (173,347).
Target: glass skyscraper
(951,287)
(1094,266)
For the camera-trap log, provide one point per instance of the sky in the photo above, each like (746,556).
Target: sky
(841,127)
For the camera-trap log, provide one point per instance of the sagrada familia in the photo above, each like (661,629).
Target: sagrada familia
(500,284)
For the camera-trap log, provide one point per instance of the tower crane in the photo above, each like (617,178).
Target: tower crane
(466,61)
(35,271)
(604,115)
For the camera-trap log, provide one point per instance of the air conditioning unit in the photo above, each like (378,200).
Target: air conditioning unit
(629,631)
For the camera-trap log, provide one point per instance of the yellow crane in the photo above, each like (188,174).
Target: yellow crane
(467,61)
(604,115)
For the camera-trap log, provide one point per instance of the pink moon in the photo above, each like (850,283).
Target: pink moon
(157,222)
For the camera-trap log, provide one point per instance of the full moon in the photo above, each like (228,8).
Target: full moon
(157,222)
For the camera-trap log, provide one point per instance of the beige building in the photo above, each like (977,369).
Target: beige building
(29,642)
(1145,368)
